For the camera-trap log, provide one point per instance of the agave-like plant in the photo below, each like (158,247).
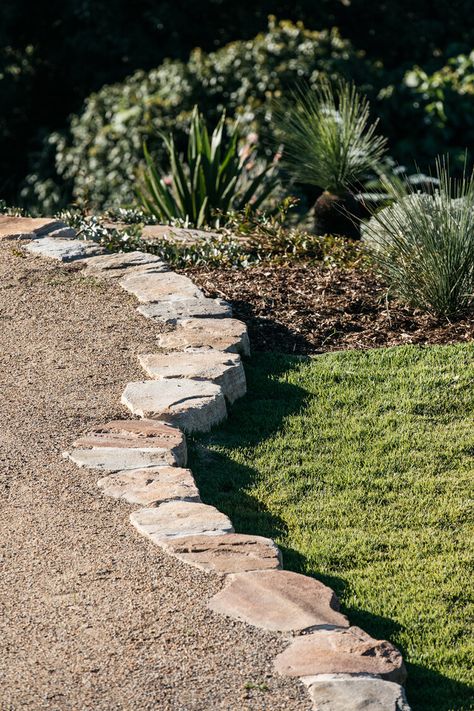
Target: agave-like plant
(330,142)
(423,244)
(210,181)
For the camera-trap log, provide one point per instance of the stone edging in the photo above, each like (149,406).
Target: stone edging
(195,376)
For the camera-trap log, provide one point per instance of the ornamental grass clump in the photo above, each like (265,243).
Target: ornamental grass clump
(330,142)
(212,179)
(424,244)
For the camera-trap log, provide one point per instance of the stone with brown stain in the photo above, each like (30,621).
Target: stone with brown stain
(150,486)
(123,264)
(232,553)
(225,334)
(130,444)
(28,227)
(341,651)
(279,600)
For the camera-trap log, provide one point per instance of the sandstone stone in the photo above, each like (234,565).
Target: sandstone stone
(151,286)
(357,694)
(65,250)
(278,601)
(27,227)
(63,233)
(176,235)
(343,651)
(150,486)
(232,553)
(192,405)
(225,334)
(173,311)
(130,444)
(224,369)
(123,264)
(176,519)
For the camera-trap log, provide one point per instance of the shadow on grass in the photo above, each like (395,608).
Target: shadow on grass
(224,483)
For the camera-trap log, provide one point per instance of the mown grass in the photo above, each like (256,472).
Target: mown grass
(360,465)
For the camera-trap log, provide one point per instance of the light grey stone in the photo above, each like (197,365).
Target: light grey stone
(176,235)
(172,311)
(224,369)
(63,233)
(357,694)
(65,250)
(225,334)
(151,486)
(114,459)
(122,264)
(192,405)
(177,519)
(151,286)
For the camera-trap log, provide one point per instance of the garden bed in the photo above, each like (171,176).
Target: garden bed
(305,309)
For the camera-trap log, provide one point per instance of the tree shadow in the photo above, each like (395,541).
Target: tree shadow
(225,483)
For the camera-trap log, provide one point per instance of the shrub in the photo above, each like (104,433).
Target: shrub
(212,179)
(104,149)
(424,244)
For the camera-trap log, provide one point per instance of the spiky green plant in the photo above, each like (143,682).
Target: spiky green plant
(210,181)
(424,244)
(328,138)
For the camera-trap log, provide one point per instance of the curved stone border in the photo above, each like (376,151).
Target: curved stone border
(342,666)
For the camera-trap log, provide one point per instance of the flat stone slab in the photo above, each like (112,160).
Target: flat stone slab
(177,519)
(175,235)
(65,250)
(151,286)
(130,444)
(192,405)
(173,311)
(279,600)
(123,264)
(28,227)
(150,486)
(232,553)
(341,651)
(357,694)
(225,334)
(224,369)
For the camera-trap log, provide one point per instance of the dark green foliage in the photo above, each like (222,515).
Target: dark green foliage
(207,182)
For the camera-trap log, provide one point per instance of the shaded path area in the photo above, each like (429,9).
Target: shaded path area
(93,615)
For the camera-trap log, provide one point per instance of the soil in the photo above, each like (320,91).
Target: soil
(94,616)
(304,309)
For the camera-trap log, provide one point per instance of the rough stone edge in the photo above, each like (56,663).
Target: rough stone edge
(302,679)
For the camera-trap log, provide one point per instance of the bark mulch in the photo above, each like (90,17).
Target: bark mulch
(304,309)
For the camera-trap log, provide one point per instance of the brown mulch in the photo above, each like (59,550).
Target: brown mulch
(306,309)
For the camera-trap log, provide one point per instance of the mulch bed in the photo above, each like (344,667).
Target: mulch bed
(311,309)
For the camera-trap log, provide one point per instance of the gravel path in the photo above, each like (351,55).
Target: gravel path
(93,615)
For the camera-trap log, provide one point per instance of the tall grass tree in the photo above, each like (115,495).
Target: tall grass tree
(330,142)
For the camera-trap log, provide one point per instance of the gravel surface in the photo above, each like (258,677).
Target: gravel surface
(94,616)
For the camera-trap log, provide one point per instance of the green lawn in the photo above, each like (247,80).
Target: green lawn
(360,465)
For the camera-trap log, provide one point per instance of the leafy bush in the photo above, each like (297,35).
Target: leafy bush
(424,245)
(100,157)
(212,179)
(328,138)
